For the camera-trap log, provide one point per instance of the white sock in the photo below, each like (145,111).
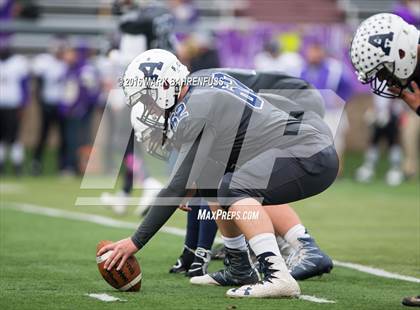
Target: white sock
(281,241)
(395,157)
(292,235)
(263,243)
(283,244)
(237,243)
(17,153)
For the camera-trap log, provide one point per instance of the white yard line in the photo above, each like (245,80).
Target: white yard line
(377,272)
(316,299)
(105,297)
(86,217)
(110,222)
(11,188)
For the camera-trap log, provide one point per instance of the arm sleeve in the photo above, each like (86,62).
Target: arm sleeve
(191,160)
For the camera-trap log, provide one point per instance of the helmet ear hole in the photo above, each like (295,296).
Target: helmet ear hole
(401,53)
(165,85)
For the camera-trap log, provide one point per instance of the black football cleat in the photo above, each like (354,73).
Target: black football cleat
(239,270)
(183,263)
(308,261)
(218,252)
(200,263)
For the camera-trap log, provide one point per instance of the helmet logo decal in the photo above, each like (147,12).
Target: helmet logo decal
(382,41)
(166,85)
(148,68)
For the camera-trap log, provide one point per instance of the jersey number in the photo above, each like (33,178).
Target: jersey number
(177,115)
(238,89)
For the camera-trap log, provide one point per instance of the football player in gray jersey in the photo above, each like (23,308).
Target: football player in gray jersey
(303,256)
(235,141)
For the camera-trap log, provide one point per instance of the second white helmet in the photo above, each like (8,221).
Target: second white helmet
(385,47)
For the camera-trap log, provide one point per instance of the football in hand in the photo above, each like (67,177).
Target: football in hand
(128,279)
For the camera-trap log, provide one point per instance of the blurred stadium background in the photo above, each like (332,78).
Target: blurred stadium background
(294,36)
(375,224)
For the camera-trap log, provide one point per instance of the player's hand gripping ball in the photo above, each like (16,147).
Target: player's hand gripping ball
(127,278)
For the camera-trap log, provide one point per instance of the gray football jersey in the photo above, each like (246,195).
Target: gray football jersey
(234,124)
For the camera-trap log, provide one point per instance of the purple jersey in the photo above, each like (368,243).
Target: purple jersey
(330,74)
(81,90)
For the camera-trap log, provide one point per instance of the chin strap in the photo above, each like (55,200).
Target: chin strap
(167,113)
(165,126)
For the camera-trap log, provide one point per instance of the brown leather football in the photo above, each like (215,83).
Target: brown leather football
(128,279)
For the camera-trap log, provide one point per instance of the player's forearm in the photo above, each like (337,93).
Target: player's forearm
(415,106)
(412,99)
(155,219)
(171,197)
(417,109)
(166,204)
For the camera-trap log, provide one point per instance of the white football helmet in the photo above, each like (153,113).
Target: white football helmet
(384,52)
(154,79)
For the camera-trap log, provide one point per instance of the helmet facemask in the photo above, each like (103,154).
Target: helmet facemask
(152,115)
(381,78)
(154,138)
(155,144)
